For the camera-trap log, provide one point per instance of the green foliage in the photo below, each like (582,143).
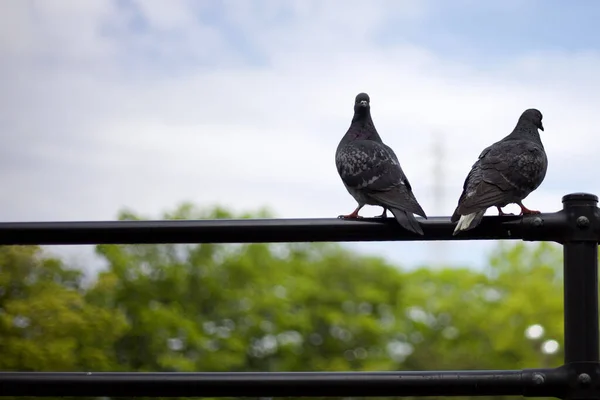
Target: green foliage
(45,322)
(283,307)
(471,320)
(248,307)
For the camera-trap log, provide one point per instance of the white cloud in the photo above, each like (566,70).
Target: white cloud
(94,121)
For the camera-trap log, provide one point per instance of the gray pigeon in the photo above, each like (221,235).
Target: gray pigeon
(371,172)
(506,172)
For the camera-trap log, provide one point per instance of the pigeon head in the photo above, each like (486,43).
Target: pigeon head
(362,103)
(532,116)
(362,126)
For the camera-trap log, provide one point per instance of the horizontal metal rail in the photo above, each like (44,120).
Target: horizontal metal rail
(532,227)
(533,383)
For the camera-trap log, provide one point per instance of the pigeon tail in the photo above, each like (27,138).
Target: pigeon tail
(468,221)
(407,220)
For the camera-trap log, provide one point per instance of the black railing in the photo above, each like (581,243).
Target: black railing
(576,227)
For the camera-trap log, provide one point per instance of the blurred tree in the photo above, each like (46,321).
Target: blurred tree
(45,322)
(248,307)
(460,318)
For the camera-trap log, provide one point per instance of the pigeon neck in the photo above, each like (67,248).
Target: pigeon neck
(364,127)
(527,131)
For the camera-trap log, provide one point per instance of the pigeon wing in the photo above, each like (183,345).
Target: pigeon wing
(504,170)
(374,169)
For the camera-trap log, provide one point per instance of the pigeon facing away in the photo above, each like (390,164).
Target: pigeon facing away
(371,172)
(506,172)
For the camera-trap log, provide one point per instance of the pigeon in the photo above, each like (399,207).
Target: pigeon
(371,172)
(506,172)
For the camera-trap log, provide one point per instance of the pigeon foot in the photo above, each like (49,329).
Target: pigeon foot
(502,213)
(352,215)
(526,211)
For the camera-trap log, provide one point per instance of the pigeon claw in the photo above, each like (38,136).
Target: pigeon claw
(526,211)
(530,212)
(350,216)
(502,213)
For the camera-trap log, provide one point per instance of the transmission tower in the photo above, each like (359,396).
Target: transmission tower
(438,252)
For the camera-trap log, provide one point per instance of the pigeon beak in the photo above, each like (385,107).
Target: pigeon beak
(541,127)
(363,103)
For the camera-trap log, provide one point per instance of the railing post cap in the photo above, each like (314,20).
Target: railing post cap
(579,197)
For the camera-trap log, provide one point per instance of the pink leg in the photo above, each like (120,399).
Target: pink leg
(352,215)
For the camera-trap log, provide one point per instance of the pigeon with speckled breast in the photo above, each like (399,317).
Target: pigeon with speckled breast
(506,172)
(371,172)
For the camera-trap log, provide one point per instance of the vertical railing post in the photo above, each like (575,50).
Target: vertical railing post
(581,292)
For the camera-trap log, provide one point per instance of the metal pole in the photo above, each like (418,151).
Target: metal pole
(581,279)
(536,227)
(535,383)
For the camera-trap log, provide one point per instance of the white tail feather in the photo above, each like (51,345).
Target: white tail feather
(464,222)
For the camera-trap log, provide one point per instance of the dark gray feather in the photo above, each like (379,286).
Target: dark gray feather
(373,169)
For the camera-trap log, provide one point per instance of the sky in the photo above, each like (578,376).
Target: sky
(145,104)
